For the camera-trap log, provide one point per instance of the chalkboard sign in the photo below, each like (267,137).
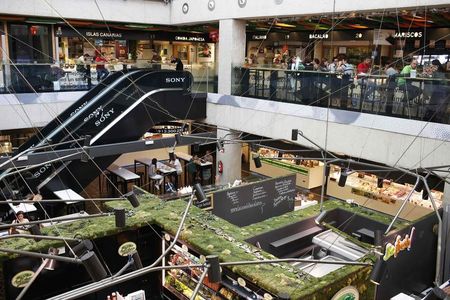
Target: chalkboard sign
(206,204)
(252,203)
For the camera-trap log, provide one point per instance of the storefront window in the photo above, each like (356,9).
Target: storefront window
(30,43)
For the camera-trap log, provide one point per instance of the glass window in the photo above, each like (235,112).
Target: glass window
(30,43)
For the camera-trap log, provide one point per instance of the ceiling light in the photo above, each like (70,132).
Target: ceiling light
(284,25)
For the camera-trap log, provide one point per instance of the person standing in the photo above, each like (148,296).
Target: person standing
(437,108)
(81,65)
(100,62)
(179,64)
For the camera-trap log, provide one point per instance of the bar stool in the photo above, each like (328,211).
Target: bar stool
(154,181)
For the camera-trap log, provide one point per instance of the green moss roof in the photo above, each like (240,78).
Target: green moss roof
(167,215)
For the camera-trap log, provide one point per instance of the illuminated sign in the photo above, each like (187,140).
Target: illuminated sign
(399,245)
(259,37)
(409,34)
(190,38)
(318,36)
(103,34)
(358,35)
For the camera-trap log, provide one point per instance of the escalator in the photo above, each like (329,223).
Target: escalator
(120,109)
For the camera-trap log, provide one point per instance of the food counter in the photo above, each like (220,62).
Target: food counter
(363,190)
(309,172)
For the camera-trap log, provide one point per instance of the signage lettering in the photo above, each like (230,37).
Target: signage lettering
(173,80)
(80,107)
(104,116)
(399,245)
(94,113)
(42,170)
(409,34)
(358,35)
(103,34)
(318,36)
(190,38)
(259,37)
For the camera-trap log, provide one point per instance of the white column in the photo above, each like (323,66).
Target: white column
(231,51)
(230,158)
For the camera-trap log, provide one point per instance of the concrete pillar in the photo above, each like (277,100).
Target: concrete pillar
(231,51)
(230,158)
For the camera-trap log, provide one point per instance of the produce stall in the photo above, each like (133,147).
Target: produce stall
(309,172)
(362,189)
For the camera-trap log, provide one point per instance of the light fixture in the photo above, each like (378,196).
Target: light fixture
(51,263)
(177,138)
(379,182)
(81,248)
(133,199)
(93,266)
(425,194)
(199,193)
(219,145)
(35,230)
(318,220)
(294,136)
(343,178)
(285,25)
(137,260)
(257,161)
(214,274)
(85,150)
(119,214)
(419,186)
(378,271)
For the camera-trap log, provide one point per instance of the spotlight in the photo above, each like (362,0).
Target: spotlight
(379,182)
(119,214)
(51,263)
(425,194)
(214,274)
(87,140)
(133,199)
(419,186)
(199,193)
(343,178)
(294,136)
(378,242)
(318,220)
(35,230)
(378,271)
(82,248)
(177,138)
(137,261)
(84,154)
(327,170)
(93,266)
(196,148)
(257,161)
(219,145)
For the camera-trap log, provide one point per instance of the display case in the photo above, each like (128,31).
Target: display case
(362,189)
(180,283)
(309,172)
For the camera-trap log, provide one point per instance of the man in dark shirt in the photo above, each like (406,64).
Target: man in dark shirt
(179,66)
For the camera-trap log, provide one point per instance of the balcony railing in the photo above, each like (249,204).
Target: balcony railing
(41,78)
(420,98)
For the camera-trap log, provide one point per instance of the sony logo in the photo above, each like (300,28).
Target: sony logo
(173,80)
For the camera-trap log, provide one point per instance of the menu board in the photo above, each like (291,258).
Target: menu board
(252,203)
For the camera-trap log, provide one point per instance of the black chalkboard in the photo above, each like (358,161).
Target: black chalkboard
(252,203)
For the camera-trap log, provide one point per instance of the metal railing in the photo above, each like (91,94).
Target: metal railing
(420,98)
(42,78)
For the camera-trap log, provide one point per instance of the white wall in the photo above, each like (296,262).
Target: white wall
(377,138)
(136,11)
(156,12)
(229,9)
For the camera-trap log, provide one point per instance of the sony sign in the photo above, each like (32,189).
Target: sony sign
(175,80)
(409,34)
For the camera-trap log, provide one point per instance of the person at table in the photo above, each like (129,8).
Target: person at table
(437,108)
(169,187)
(411,91)
(365,68)
(192,169)
(153,174)
(81,64)
(20,219)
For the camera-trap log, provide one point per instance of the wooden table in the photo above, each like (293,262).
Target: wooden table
(166,170)
(25,207)
(126,176)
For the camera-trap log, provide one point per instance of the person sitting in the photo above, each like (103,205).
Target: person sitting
(153,174)
(20,218)
(174,162)
(169,186)
(411,91)
(192,169)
